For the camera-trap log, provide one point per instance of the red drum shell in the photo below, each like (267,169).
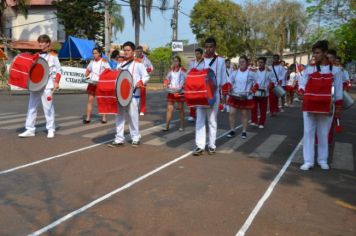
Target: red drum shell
(106,92)
(20,69)
(200,88)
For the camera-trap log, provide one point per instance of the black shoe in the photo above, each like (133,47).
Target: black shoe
(198,151)
(243,135)
(231,134)
(135,143)
(104,121)
(115,144)
(165,129)
(211,151)
(86,121)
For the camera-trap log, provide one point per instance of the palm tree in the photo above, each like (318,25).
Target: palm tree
(116,20)
(138,17)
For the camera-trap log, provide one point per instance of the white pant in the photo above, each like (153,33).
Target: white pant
(132,111)
(200,129)
(319,124)
(48,110)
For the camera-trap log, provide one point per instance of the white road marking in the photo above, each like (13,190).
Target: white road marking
(268,193)
(143,133)
(266,149)
(38,121)
(110,194)
(6,114)
(10,121)
(169,137)
(12,116)
(343,156)
(110,130)
(234,143)
(84,127)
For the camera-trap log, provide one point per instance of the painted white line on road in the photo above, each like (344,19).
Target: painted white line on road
(266,149)
(6,114)
(110,194)
(144,132)
(235,142)
(169,137)
(268,193)
(22,120)
(84,127)
(12,116)
(38,122)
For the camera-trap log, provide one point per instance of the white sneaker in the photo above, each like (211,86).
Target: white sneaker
(50,134)
(27,134)
(324,166)
(281,110)
(142,114)
(306,166)
(191,119)
(253,124)
(261,126)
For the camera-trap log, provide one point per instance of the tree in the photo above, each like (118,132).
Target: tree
(330,12)
(138,17)
(224,20)
(90,24)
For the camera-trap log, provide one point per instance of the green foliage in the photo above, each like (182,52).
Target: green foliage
(345,37)
(224,20)
(80,18)
(161,54)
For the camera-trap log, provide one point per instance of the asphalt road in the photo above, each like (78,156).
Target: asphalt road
(75,185)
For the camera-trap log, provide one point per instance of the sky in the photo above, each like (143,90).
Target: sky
(158,31)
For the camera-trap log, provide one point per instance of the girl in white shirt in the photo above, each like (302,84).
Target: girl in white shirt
(94,69)
(175,81)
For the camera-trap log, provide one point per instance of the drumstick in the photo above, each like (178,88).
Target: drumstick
(49,98)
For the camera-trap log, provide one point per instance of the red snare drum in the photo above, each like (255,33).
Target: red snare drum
(200,88)
(318,94)
(29,71)
(114,87)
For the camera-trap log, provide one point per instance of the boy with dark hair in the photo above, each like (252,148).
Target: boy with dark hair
(45,96)
(318,102)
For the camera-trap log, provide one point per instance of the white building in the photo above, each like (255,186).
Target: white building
(22,32)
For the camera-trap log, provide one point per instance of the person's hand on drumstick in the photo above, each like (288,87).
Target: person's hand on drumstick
(165,83)
(139,84)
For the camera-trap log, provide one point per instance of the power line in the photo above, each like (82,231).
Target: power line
(28,23)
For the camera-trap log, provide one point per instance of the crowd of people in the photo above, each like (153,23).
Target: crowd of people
(247,87)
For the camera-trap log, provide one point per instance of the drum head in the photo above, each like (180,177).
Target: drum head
(38,76)
(211,87)
(124,88)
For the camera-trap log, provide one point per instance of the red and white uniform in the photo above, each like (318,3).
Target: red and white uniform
(292,81)
(263,78)
(149,68)
(55,72)
(242,82)
(175,80)
(140,76)
(95,68)
(210,113)
(280,76)
(319,124)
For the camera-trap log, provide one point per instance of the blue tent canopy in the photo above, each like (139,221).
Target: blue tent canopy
(76,48)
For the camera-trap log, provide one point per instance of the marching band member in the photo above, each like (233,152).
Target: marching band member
(279,73)
(217,64)
(229,71)
(264,77)
(140,77)
(315,80)
(113,59)
(175,81)
(242,82)
(94,69)
(292,81)
(45,96)
(197,63)
(346,77)
(149,67)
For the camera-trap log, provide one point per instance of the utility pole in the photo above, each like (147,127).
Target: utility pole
(174,22)
(107,27)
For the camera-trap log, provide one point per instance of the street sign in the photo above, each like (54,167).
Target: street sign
(177,46)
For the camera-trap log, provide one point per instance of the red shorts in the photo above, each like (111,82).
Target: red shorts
(289,88)
(241,104)
(175,98)
(91,89)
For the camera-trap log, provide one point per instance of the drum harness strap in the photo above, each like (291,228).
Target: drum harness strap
(274,71)
(201,60)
